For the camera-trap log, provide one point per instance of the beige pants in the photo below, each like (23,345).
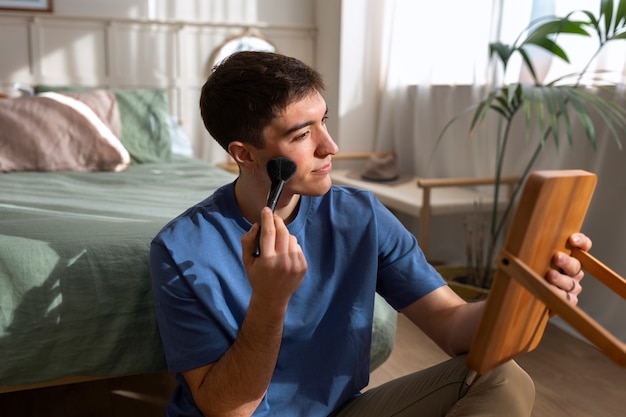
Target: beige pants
(441,391)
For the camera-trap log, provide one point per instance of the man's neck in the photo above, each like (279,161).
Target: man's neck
(251,198)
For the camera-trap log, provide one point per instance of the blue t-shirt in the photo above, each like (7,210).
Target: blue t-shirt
(354,247)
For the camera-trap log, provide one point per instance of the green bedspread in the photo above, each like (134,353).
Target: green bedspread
(75,290)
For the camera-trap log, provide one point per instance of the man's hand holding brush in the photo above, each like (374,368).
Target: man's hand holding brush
(276,271)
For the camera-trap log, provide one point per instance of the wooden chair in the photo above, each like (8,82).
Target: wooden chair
(429,184)
(552,207)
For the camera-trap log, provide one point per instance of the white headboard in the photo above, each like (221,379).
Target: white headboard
(131,53)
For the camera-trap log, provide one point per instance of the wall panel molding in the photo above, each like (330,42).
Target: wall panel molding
(131,53)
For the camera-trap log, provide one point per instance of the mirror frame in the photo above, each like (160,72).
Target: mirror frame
(249,40)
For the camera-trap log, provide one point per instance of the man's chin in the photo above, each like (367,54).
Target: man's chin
(316,192)
(312,187)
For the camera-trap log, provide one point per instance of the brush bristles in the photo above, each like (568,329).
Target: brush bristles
(280,169)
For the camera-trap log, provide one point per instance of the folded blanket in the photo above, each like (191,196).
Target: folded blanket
(55,132)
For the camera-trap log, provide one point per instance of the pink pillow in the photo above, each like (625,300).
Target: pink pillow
(61,132)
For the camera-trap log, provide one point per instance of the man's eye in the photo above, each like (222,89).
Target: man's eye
(302,136)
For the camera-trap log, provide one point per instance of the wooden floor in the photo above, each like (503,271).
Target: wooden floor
(572,378)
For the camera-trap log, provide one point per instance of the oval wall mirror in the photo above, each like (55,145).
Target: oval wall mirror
(249,40)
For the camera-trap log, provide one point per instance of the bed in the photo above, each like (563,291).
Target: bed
(75,290)
(74,275)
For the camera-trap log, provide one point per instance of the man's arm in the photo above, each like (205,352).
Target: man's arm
(236,383)
(451,322)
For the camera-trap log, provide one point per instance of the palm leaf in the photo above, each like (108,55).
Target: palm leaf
(483,109)
(594,23)
(503,103)
(451,122)
(513,94)
(551,96)
(503,52)
(614,116)
(607,120)
(539,108)
(562,103)
(529,63)
(541,36)
(502,111)
(550,46)
(527,102)
(556,26)
(606,10)
(584,117)
(620,15)
(603,104)
(593,20)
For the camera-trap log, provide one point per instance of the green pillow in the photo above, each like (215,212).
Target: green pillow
(144,116)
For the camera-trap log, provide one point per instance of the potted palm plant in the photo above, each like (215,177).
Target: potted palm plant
(551,106)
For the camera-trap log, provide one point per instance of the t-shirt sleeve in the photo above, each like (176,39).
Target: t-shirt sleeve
(404,274)
(189,333)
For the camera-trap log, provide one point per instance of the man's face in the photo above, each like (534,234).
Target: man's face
(299,133)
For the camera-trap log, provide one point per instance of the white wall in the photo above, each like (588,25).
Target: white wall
(198,11)
(276,12)
(145,44)
(343,27)
(328,17)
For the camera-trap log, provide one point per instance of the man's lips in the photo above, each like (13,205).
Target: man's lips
(324,169)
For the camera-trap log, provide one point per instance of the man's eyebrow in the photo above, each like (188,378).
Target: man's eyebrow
(298,127)
(303,124)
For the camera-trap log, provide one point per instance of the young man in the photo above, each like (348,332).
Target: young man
(288,333)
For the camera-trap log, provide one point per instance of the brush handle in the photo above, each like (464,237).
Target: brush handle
(256,251)
(274,195)
(272,199)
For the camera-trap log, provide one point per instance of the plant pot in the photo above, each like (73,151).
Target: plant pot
(453,276)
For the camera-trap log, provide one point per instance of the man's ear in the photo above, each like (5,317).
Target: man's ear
(240,152)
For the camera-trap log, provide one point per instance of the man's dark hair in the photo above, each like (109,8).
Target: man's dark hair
(247,90)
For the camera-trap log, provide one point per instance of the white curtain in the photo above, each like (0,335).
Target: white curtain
(434,64)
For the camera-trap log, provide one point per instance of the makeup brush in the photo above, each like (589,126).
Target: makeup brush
(280,170)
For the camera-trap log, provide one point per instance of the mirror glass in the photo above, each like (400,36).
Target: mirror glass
(247,41)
